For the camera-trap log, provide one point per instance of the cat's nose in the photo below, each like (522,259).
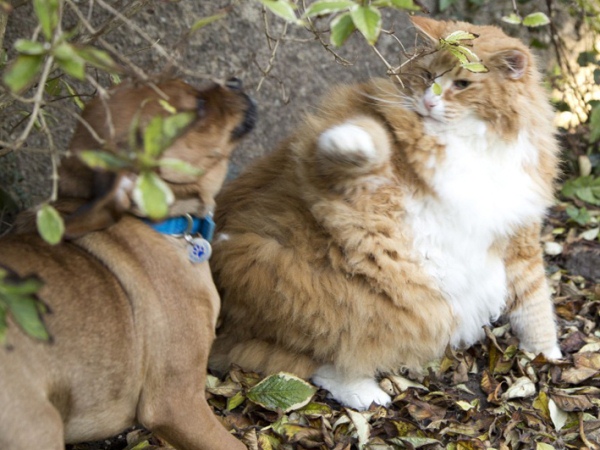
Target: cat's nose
(430,103)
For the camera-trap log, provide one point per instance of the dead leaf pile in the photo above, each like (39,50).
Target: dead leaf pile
(491,396)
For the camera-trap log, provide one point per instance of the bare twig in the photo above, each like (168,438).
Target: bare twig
(313,29)
(389,67)
(274,48)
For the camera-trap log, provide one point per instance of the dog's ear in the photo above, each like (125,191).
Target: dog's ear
(111,201)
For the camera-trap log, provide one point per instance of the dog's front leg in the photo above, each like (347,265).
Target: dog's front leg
(173,402)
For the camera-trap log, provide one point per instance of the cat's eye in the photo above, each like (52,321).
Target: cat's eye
(461,84)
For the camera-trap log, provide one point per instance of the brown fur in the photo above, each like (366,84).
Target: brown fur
(132,319)
(316,263)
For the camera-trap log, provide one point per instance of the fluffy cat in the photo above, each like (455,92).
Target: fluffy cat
(393,222)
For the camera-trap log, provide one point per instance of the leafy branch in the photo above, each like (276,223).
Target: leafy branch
(18,300)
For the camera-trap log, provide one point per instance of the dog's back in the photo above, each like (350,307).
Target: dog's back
(132,317)
(90,318)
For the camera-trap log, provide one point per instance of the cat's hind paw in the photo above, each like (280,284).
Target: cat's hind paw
(356,393)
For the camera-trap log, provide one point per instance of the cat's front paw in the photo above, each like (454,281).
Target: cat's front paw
(348,140)
(356,393)
(553,354)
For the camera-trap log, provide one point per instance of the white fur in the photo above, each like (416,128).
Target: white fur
(222,237)
(347,138)
(355,393)
(482,193)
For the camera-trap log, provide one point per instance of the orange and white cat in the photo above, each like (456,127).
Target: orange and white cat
(393,222)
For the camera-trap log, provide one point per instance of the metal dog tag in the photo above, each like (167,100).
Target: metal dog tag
(199,250)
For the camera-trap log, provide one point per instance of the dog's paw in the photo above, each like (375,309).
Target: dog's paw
(348,140)
(356,393)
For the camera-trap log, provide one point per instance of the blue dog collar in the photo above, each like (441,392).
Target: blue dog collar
(185,225)
(188,226)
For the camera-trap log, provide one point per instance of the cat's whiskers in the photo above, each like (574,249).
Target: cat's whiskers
(399,100)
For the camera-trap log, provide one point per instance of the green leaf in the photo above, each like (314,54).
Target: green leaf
(53,87)
(69,61)
(3,324)
(142,445)
(180,166)
(585,188)
(406,4)
(470,55)
(26,314)
(161,132)
(581,216)
(597,76)
(23,72)
(167,106)
(97,159)
(17,298)
(367,20)
(47,12)
(445,4)
(341,29)
(97,58)
(457,36)
(437,89)
(153,137)
(74,95)
(152,195)
(475,67)
(595,124)
(322,7)
(27,47)
(235,401)
(537,19)
(513,19)
(586,58)
(282,8)
(315,409)
(462,58)
(174,125)
(201,23)
(283,391)
(50,224)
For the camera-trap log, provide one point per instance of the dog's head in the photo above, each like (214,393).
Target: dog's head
(222,115)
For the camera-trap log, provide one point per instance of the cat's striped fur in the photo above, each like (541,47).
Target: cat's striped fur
(393,223)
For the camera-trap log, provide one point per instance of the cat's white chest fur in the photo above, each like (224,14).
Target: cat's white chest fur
(482,193)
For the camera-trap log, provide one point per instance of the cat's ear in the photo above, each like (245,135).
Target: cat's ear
(514,63)
(430,29)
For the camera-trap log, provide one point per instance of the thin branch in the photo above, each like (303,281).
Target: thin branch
(389,67)
(271,62)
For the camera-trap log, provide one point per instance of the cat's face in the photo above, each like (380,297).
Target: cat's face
(490,97)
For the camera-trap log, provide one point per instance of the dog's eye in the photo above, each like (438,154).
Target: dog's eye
(235,84)
(461,84)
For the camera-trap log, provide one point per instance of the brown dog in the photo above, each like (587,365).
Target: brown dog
(132,318)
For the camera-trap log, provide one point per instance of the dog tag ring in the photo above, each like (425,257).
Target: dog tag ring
(199,250)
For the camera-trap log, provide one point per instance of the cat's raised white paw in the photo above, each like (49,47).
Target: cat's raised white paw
(355,393)
(348,139)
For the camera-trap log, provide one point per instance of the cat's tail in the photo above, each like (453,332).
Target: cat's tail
(355,148)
